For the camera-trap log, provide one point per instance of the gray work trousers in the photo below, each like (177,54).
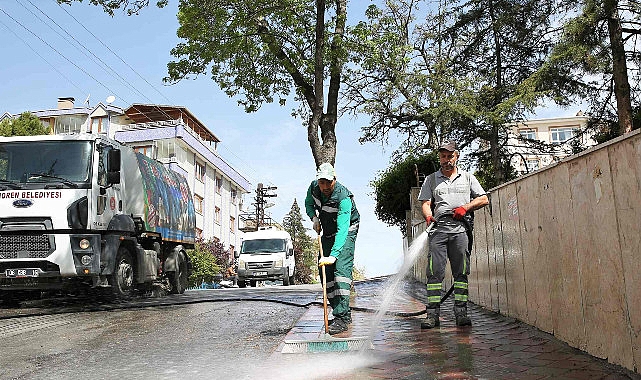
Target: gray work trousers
(442,247)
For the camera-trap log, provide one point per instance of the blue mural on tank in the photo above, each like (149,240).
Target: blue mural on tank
(169,206)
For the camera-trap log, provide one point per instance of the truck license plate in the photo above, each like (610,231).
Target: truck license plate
(29,272)
(260,273)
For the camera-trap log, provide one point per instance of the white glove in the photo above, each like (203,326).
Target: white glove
(317,225)
(329,260)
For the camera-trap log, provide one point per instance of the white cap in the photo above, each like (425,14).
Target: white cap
(326,171)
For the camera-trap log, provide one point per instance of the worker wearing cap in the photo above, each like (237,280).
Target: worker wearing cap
(455,193)
(331,208)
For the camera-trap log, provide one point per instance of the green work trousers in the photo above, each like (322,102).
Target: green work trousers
(339,276)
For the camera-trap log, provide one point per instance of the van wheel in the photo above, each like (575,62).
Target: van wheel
(291,280)
(179,279)
(242,283)
(286,277)
(122,281)
(252,283)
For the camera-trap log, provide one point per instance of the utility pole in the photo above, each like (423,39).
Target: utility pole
(258,219)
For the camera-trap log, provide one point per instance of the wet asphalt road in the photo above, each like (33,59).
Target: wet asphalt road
(206,334)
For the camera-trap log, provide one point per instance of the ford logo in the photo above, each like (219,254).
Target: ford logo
(22,203)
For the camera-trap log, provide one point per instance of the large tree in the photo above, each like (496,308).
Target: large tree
(451,70)
(264,50)
(590,62)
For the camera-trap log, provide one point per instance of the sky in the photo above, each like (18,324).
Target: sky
(52,51)
(41,62)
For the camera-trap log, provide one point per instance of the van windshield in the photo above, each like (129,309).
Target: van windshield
(263,246)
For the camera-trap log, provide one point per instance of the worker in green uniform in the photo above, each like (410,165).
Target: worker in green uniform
(331,208)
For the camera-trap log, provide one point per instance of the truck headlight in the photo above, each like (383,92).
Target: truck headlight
(85,260)
(84,244)
(279,263)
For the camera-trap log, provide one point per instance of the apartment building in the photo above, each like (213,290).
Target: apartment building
(175,137)
(557,134)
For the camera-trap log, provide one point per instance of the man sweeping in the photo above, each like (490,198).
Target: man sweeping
(331,208)
(454,193)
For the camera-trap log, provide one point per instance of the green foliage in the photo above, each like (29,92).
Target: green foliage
(27,124)
(485,173)
(304,252)
(392,187)
(131,7)
(208,258)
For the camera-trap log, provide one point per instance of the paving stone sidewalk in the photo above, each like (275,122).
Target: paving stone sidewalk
(495,347)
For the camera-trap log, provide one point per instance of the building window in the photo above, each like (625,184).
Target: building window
(144,149)
(232,224)
(198,203)
(217,215)
(561,135)
(200,172)
(528,133)
(69,123)
(98,124)
(234,195)
(199,234)
(532,164)
(219,184)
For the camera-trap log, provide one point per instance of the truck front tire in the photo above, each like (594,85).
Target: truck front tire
(122,280)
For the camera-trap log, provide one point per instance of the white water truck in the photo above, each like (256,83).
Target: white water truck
(82,210)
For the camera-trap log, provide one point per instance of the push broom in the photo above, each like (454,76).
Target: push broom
(326,343)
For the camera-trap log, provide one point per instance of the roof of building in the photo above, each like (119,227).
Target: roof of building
(144,113)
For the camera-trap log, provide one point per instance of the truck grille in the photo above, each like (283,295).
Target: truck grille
(263,265)
(24,246)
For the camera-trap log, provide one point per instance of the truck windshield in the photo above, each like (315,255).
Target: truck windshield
(263,245)
(45,161)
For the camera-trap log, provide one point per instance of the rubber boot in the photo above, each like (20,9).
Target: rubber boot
(460,312)
(432,319)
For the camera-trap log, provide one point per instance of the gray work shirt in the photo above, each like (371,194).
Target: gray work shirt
(448,195)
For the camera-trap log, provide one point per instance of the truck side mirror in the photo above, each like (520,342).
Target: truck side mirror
(113,166)
(236,254)
(113,160)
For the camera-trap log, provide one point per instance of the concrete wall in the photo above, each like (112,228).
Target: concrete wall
(560,249)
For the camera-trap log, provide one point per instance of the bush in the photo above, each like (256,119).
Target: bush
(208,258)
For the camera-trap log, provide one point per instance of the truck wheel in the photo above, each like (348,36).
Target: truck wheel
(122,281)
(179,279)
(242,283)
(291,280)
(286,277)
(252,283)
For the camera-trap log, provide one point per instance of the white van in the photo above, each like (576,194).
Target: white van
(266,254)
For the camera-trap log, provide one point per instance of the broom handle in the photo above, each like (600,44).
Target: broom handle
(320,245)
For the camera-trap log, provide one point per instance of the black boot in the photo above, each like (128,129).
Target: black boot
(432,319)
(460,312)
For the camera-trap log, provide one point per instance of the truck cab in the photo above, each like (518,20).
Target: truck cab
(266,254)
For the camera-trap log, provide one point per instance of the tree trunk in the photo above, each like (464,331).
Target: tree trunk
(619,67)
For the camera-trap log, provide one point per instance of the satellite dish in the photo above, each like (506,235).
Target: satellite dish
(110,99)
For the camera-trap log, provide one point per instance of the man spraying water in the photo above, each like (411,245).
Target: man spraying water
(452,193)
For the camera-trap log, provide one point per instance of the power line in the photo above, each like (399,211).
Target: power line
(106,67)
(54,49)
(39,55)
(114,53)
